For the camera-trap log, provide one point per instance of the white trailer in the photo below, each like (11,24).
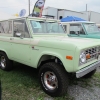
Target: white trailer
(61,13)
(50,12)
(64,13)
(93,16)
(57,13)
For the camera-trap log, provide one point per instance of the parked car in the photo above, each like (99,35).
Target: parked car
(83,29)
(98,25)
(42,44)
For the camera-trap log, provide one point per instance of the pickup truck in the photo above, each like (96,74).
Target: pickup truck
(42,44)
(82,29)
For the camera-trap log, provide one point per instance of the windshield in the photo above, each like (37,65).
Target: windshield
(76,29)
(91,27)
(46,27)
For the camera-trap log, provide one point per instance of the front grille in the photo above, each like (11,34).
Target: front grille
(94,52)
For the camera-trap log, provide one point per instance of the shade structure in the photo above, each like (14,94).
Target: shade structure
(71,18)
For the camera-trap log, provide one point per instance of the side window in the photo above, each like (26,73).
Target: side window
(38,26)
(6,27)
(76,29)
(21,27)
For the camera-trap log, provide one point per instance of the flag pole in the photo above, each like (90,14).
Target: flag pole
(29,6)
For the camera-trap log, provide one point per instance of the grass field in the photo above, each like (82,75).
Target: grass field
(22,84)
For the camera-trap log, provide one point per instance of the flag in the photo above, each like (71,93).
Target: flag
(38,8)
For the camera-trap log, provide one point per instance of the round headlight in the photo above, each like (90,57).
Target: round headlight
(82,57)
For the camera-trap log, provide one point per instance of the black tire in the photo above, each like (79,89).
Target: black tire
(7,66)
(0,90)
(61,78)
(89,75)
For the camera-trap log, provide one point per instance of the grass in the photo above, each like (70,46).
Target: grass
(97,79)
(22,84)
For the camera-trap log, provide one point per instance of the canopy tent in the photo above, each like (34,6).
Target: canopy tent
(71,18)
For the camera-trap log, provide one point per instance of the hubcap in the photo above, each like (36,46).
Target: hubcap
(3,61)
(50,80)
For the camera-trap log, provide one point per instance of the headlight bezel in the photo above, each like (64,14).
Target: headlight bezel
(91,54)
(82,58)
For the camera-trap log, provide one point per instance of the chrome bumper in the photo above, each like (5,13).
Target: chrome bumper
(88,69)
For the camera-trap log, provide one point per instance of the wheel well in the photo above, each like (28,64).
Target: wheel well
(3,51)
(49,58)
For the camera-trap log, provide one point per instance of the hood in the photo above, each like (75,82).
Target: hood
(94,35)
(65,42)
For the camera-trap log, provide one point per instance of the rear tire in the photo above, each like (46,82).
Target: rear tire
(5,63)
(53,79)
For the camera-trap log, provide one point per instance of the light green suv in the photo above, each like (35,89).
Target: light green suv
(41,43)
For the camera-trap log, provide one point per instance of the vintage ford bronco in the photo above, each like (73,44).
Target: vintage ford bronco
(83,29)
(42,43)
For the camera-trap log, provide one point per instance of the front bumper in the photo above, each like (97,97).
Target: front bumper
(88,69)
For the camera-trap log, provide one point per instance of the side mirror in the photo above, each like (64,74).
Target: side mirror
(18,34)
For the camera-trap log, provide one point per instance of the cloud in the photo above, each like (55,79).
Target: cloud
(10,7)
(4,15)
(13,6)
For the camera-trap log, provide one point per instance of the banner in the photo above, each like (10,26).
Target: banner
(38,8)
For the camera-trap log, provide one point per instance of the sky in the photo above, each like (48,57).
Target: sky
(10,7)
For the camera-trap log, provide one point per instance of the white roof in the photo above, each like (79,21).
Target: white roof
(42,18)
(78,22)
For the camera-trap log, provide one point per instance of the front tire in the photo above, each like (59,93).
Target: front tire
(5,63)
(53,78)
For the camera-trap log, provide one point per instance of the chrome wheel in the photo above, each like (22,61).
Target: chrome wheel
(50,80)
(3,62)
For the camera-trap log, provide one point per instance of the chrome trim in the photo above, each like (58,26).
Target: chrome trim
(50,80)
(3,62)
(20,41)
(87,69)
(93,53)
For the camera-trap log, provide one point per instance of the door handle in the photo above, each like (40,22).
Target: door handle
(11,38)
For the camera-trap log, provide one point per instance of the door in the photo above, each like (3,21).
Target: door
(21,42)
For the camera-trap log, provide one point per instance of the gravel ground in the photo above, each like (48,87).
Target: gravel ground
(83,90)
(98,69)
(79,93)
(85,93)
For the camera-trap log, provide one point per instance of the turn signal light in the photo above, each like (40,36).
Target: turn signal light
(88,56)
(69,57)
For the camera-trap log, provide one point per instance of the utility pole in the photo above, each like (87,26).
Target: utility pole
(86,7)
(29,6)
